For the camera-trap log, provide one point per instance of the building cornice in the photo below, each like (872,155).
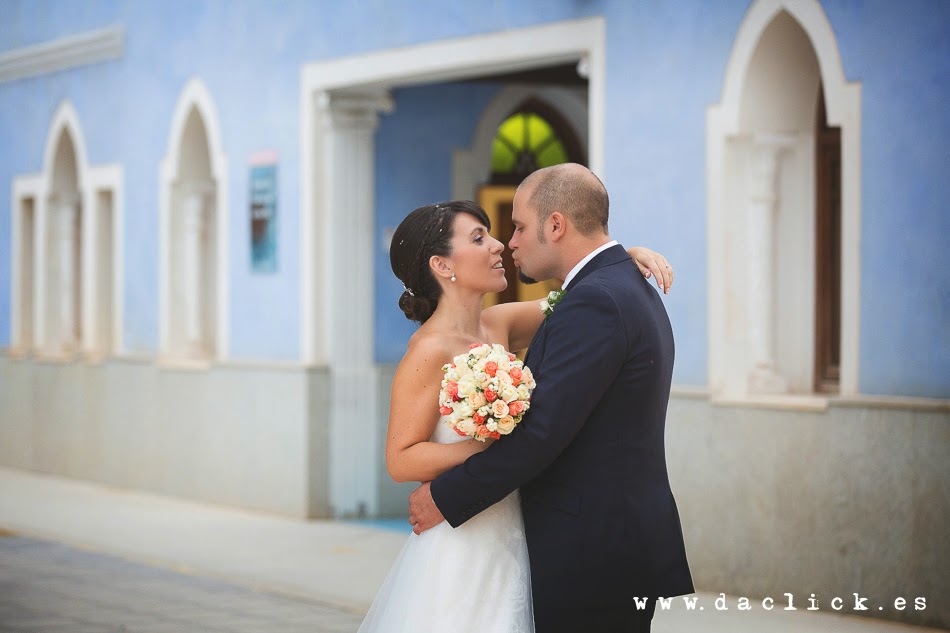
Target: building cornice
(90,47)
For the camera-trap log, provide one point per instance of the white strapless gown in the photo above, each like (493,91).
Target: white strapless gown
(471,579)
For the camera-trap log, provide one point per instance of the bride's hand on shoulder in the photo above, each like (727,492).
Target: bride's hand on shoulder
(653,264)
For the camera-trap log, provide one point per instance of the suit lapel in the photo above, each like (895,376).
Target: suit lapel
(613,255)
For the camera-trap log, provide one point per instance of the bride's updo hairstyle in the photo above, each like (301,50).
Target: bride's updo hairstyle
(426,232)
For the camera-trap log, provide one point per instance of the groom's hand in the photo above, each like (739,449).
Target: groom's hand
(423,513)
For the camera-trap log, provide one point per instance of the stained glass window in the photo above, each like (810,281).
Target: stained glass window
(525,141)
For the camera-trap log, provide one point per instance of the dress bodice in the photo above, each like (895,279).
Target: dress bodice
(445,434)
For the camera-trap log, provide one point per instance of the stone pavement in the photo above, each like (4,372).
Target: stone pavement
(83,558)
(49,587)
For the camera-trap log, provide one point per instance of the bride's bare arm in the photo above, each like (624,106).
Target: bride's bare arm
(413,414)
(521,319)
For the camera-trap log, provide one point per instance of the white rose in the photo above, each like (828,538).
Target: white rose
(464,370)
(466,387)
(499,349)
(499,408)
(466,426)
(553,295)
(544,307)
(506,425)
(481,351)
(504,379)
(509,393)
(452,375)
(464,409)
(523,392)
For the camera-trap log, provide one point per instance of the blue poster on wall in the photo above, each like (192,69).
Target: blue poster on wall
(263,212)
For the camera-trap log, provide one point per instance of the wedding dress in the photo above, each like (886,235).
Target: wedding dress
(471,579)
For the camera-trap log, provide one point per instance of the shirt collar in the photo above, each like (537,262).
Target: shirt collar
(584,262)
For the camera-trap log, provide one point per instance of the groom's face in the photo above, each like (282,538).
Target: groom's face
(528,244)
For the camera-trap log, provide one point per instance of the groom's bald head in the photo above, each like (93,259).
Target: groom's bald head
(574,191)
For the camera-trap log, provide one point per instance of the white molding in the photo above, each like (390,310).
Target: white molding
(105,178)
(31,186)
(65,120)
(472,165)
(445,60)
(196,95)
(843,103)
(81,49)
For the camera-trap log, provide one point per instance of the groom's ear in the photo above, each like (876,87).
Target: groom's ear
(439,267)
(556,226)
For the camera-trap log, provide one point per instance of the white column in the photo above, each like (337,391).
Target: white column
(65,216)
(348,125)
(760,217)
(194,231)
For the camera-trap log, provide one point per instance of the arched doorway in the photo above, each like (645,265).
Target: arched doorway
(783,174)
(532,136)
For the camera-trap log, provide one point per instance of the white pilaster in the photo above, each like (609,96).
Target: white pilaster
(348,125)
(193,229)
(760,217)
(65,217)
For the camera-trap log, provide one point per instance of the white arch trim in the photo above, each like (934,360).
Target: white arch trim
(91,180)
(472,165)
(65,118)
(843,103)
(195,95)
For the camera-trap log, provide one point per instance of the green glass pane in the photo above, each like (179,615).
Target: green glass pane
(524,127)
(502,158)
(553,154)
(539,131)
(512,130)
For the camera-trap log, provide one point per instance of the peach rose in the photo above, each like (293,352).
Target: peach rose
(515,374)
(515,408)
(499,408)
(490,395)
(506,424)
(477,400)
(491,367)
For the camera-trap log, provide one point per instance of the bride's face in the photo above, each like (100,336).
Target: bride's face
(476,256)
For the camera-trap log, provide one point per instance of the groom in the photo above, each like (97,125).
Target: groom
(601,524)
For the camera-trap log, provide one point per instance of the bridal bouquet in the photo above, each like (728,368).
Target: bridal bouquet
(485,392)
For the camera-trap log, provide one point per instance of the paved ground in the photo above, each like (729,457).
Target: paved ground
(53,588)
(81,558)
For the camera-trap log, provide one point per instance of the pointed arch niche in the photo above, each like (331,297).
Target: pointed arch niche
(193,252)
(65,252)
(471,166)
(761,204)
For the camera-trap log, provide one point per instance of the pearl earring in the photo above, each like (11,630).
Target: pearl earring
(453,278)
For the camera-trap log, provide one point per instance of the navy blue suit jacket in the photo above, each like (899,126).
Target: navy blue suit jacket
(600,519)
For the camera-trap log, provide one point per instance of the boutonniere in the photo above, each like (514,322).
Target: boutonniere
(547,305)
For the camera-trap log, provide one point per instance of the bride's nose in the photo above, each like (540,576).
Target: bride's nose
(497,246)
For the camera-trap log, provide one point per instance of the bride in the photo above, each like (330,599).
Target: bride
(476,577)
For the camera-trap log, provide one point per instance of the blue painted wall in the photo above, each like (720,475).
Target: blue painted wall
(414,148)
(665,67)
(249,56)
(901,55)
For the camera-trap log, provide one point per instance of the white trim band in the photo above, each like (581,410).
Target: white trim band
(90,47)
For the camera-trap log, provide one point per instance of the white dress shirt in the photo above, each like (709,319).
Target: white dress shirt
(583,262)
